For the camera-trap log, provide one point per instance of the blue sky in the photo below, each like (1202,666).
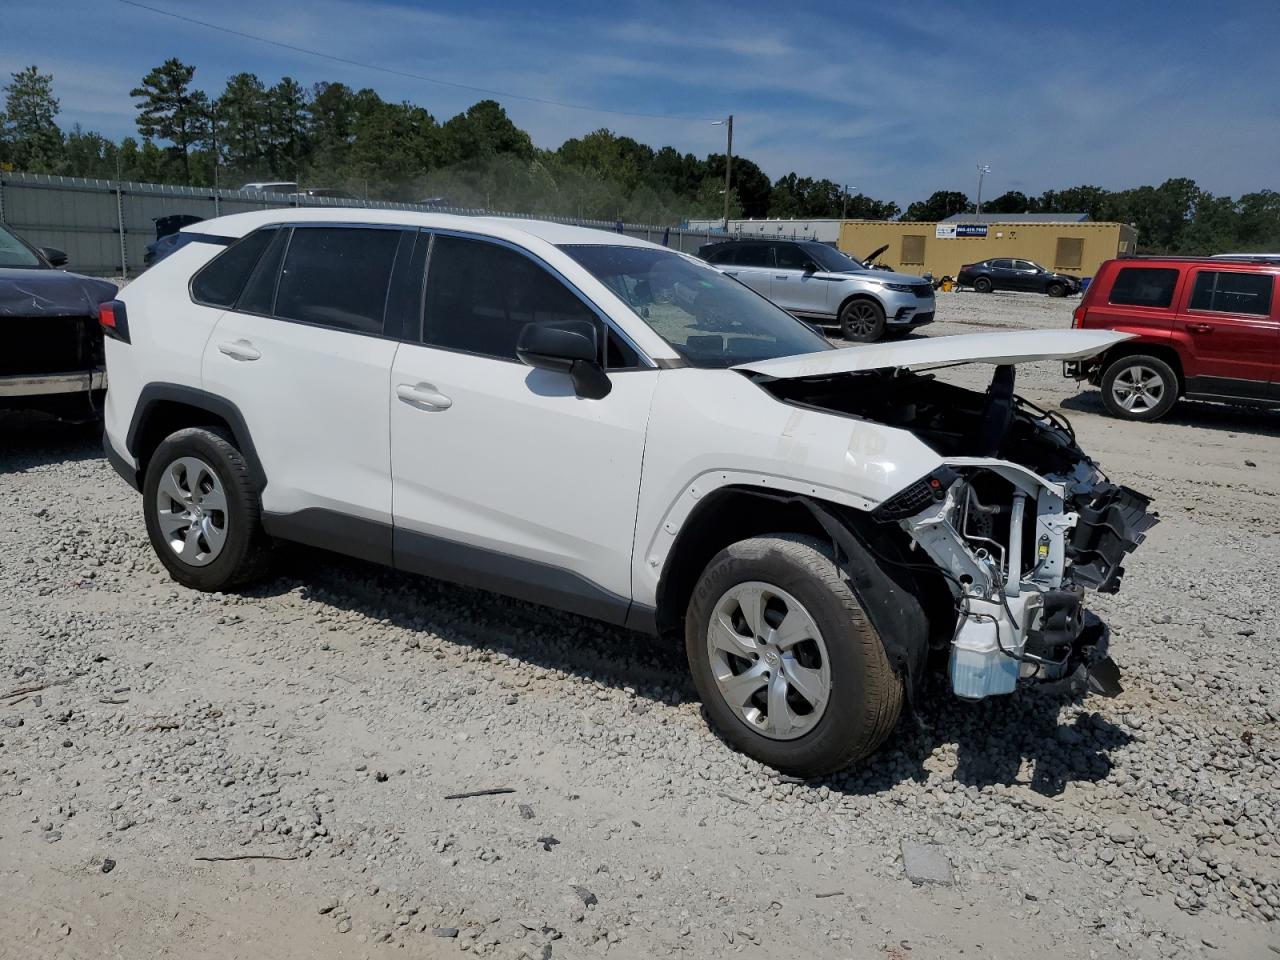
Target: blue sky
(895,99)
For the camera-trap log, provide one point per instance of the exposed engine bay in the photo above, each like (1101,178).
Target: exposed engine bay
(1019,522)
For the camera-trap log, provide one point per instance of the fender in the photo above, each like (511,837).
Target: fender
(153,395)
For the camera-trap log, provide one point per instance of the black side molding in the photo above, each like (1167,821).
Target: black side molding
(154,395)
(120,464)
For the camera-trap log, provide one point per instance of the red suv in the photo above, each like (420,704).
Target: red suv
(1204,329)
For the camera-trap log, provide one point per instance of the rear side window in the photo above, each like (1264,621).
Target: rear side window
(480,295)
(219,283)
(337,277)
(1226,292)
(1144,287)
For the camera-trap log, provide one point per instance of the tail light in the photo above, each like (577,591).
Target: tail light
(1077,317)
(114,320)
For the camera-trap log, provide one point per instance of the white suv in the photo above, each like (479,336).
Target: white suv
(615,429)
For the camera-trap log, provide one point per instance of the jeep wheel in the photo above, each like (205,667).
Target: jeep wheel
(1139,387)
(1056,290)
(788,667)
(202,511)
(982,284)
(862,321)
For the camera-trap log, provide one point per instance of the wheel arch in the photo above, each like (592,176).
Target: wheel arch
(163,408)
(1134,348)
(860,295)
(911,611)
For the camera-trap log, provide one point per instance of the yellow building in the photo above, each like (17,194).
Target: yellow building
(1064,243)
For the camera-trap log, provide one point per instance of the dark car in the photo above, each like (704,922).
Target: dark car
(52,357)
(1006,273)
(169,237)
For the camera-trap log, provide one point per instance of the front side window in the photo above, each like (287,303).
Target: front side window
(753,255)
(480,295)
(1027,265)
(15,253)
(709,319)
(1144,287)
(722,253)
(1225,292)
(337,277)
(789,256)
(829,258)
(219,282)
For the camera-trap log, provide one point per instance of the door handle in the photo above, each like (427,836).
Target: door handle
(423,394)
(779,276)
(240,350)
(1202,328)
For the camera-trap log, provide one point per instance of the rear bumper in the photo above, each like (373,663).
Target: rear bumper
(48,384)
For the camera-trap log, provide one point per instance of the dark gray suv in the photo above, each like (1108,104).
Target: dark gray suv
(821,284)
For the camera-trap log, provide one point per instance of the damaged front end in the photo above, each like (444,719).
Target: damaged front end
(1018,520)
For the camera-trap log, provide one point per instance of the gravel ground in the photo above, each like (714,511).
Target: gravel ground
(320,723)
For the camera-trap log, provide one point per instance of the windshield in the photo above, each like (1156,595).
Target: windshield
(15,253)
(829,258)
(710,319)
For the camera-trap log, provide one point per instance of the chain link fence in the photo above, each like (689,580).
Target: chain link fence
(104,226)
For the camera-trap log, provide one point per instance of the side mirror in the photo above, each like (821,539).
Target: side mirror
(810,267)
(55,256)
(569,348)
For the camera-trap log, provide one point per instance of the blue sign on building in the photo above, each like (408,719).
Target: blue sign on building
(971,229)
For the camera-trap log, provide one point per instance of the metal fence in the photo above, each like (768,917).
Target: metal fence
(104,226)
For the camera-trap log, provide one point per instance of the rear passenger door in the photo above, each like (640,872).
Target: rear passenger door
(1230,333)
(503,477)
(306,356)
(753,265)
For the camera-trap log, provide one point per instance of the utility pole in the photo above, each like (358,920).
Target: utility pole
(983,170)
(844,203)
(728,165)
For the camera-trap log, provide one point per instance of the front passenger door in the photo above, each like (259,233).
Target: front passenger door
(796,286)
(503,478)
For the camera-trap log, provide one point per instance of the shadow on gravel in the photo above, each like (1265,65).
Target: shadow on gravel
(30,440)
(1194,413)
(486,621)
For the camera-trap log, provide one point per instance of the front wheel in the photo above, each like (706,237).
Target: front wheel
(1139,387)
(1056,290)
(862,321)
(790,670)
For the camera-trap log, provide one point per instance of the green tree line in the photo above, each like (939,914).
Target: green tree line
(331,135)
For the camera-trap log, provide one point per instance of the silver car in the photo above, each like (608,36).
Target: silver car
(819,283)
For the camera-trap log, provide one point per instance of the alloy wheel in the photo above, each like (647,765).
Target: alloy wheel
(769,660)
(1138,389)
(191,507)
(861,319)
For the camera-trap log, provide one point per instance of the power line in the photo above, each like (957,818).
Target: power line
(403,73)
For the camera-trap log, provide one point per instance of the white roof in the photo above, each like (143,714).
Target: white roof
(1019,346)
(508,228)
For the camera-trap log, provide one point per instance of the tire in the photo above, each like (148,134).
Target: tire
(1139,387)
(222,544)
(862,321)
(1056,290)
(840,652)
(982,284)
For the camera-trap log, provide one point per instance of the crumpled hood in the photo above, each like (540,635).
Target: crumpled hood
(51,293)
(1020,346)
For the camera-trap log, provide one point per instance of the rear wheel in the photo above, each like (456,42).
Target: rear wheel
(788,667)
(1139,387)
(202,511)
(982,284)
(862,321)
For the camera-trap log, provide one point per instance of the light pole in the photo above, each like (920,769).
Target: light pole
(727,123)
(983,170)
(844,203)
